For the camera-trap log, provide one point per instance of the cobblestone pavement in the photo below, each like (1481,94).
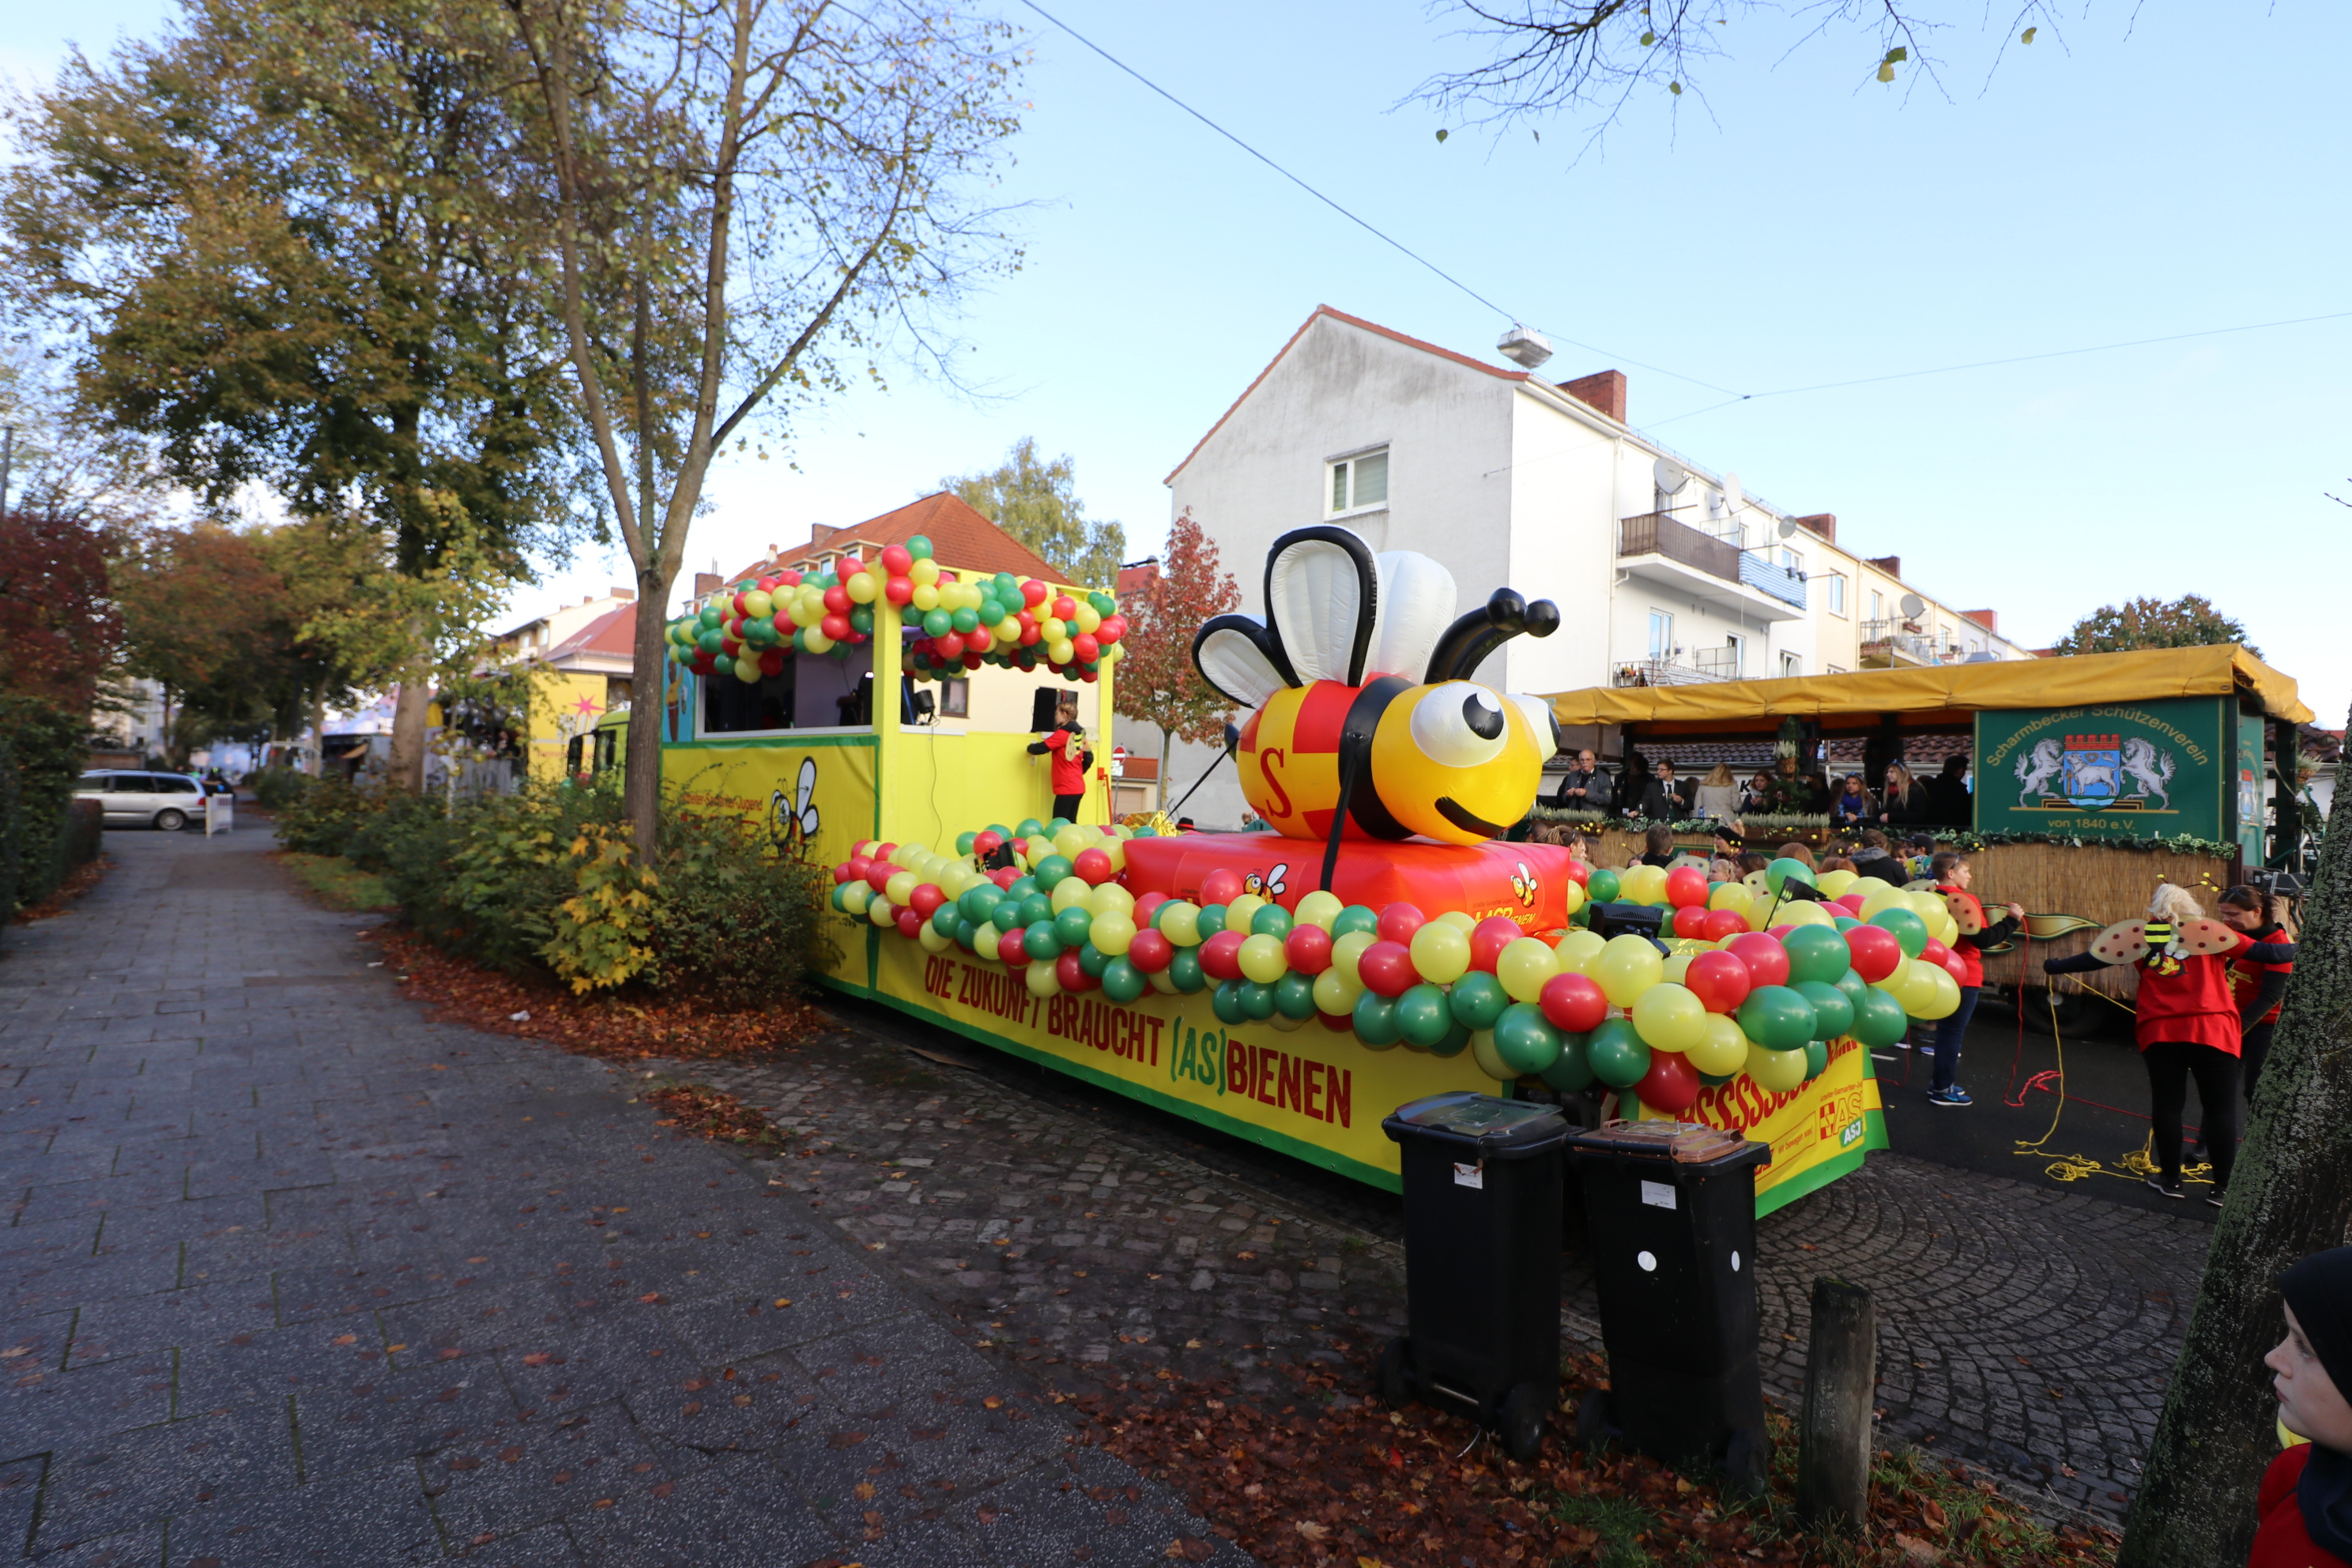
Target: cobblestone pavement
(292,1276)
(2027,1331)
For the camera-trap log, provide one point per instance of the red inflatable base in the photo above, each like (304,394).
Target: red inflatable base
(1523,882)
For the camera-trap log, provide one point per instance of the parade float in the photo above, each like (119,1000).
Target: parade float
(1379,942)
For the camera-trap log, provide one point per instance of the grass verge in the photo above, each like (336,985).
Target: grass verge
(335,880)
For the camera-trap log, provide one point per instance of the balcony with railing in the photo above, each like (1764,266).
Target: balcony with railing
(1654,544)
(1902,644)
(1703,664)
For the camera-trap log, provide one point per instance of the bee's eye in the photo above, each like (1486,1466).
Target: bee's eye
(1459,724)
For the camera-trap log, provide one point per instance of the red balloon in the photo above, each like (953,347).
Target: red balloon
(1936,952)
(878,874)
(910,923)
(1399,922)
(1073,978)
(1004,875)
(1146,907)
(1852,901)
(988,841)
(1386,969)
(1033,593)
(1221,886)
(1721,923)
(1573,1002)
(1779,933)
(847,872)
(1488,938)
(952,645)
(1220,956)
(979,640)
(1112,628)
(1579,873)
(971,660)
(788,578)
(1690,921)
(835,627)
(897,561)
(1307,948)
(1085,648)
(1767,960)
(1719,980)
(771,663)
(927,899)
(1671,1085)
(1686,886)
(1064,608)
(1012,947)
(1151,951)
(1338,1023)
(1094,867)
(836,599)
(900,591)
(883,851)
(1876,952)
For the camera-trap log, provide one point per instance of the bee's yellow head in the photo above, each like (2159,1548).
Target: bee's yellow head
(1457,761)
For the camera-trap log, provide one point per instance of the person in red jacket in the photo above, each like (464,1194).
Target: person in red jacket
(1065,745)
(2187,1028)
(2306,1502)
(2256,986)
(1952,876)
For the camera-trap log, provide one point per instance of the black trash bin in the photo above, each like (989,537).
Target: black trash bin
(1672,1211)
(1482,1189)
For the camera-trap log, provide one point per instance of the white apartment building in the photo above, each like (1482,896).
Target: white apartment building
(1665,571)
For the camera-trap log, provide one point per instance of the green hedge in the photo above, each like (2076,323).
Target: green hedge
(43,750)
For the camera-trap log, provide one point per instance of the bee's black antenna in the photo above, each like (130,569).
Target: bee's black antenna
(1469,641)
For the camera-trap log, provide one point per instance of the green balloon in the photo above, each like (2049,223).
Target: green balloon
(937,623)
(1833,1008)
(1776,1018)
(1051,870)
(1477,1000)
(1022,887)
(1093,959)
(1271,921)
(966,933)
(1040,942)
(965,621)
(1122,982)
(1257,1000)
(1526,1040)
(1422,1015)
(1878,1019)
(1779,872)
(1910,930)
(1212,921)
(1618,1056)
(1716,1081)
(1053,828)
(1035,907)
(1008,915)
(1846,922)
(1073,924)
(1855,988)
(1573,1070)
(1354,918)
(1817,1058)
(1456,1041)
(1816,952)
(1184,971)
(979,902)
(945,918)
(1602,888)
(1294,996)
(1227,1003)
(711,617)
(1376,1021)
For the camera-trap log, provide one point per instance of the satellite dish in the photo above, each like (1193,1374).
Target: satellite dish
(1788,528)
(1912,605)
(1730,492)
(1671,476)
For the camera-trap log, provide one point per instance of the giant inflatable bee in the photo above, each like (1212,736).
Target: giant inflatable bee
(1366,715)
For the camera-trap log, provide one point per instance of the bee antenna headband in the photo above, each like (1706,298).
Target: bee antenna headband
(1469,641)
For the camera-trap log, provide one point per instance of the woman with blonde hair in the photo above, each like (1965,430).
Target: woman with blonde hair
(1718,793)
(2188,1026)
(1902,800)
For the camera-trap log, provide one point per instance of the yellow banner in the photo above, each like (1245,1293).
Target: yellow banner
(1818,1131)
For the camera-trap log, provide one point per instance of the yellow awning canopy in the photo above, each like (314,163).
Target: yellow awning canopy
(2071,681)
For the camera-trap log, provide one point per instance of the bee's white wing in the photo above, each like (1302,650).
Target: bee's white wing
(1322,595)
(807,781)
(1413,607)
(1232,655)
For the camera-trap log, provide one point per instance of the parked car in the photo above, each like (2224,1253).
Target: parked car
(143,799)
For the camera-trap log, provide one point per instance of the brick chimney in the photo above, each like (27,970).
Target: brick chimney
(1989,619)
(1890,564)
(1604,390)
(624,594)
(820,531)
(706,582)
(1823,523)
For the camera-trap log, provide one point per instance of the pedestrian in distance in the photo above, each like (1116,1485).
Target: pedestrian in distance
(1952,874)
(1718,793)
(1872,858)
(1901,801)
(2306,1502)
(1852,807)
(1658,847)
(1666,798)
(1584,787)
(2186,1025)
(1068,768)
(1948,792)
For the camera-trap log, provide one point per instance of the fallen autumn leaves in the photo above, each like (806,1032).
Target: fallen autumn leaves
(696,1107)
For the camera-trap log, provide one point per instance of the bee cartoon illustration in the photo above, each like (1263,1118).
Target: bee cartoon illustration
(1525,884)
(1269,886)
(792,822)
(1367,718)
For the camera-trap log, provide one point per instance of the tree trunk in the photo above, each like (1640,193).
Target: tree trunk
(314,714)
(1165,744)
(407,769)
(641,783)
(2291,1195)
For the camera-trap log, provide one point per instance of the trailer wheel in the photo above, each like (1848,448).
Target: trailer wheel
(1593,1419)
(1521,1421)
(1746,1459)
(1398,1388)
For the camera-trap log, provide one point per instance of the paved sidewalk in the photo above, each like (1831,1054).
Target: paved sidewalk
(291,1276)
(2027,1331)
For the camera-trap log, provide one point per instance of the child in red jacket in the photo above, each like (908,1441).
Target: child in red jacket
(2306,1505)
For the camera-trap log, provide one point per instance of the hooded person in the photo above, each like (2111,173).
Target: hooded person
(2306,1502)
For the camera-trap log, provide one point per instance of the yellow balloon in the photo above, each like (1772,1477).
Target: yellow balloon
(1572,898)
(1088,618)
(1763,910)
(1180,923)
(1669,1017)
(1525,967)
(934,940)
(1261,958)
(1282,1021)
(925,571)
(1242,910)
(882,913)
(1944,928)
(1335,993)
(900,888)
(1868,887)
(1836,884)
(1346,950)
(1069,893)
(1883,900)
(861,588)
(1318,908)
(1627,966)
(1947,992)
(1162,982)
(1577,949)
(1776,1071)
(1918,990)
(854,896)
(1678,961)
(1109,898)
(1642,884)
(1072,841)
(1490,1061)
(1731,896)
(1114,933)
(1459,920)
(984,941)
(1757,887)
(1802,913)
(1441,953)
(926,598)
(1722,1050)
(1116,848)
(1043,979)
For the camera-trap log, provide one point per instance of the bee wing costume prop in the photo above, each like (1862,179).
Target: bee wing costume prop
(1367,720)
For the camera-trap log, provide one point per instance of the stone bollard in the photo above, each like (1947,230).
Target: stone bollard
(1834,1431)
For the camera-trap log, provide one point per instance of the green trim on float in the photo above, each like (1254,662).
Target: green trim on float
(1297,1149)
(1828,1170)
(767,738)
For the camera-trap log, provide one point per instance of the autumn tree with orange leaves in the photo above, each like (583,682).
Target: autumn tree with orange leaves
(1157,681)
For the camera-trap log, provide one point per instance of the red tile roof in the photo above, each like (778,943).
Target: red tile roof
(1136,582)
(961,540)
(614,631)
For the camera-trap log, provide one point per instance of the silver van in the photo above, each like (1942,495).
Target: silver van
(142,799)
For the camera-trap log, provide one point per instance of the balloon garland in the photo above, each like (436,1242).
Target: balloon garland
(1018,623)
(1757,984)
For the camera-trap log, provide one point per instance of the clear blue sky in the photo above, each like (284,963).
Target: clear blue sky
(2152,174)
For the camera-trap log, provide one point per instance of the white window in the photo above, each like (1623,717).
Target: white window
(1791,665)
(1360,483)
(1877,607)
(1792,560)
(1735,648)
(1662,635)
(1834,593)
(1835,669)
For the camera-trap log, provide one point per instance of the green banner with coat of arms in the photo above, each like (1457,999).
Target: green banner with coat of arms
(2124,770)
